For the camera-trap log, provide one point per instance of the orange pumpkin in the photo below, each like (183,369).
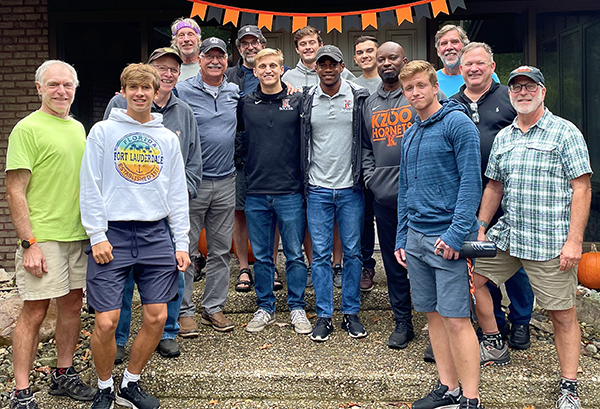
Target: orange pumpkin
(588,271)
(203,249)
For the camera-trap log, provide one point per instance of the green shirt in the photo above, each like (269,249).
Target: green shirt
(51,148)
(535,169)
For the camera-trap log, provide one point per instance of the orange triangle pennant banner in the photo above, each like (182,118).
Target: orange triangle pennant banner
(199,9)
(299,22)
(334,23)
(369,19)
(439,6)
(266,21)
(404,13)
(231,16)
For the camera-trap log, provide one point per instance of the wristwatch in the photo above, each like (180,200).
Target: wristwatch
(482,223)
(26,243)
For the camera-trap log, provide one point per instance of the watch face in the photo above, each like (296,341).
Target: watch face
(25,244)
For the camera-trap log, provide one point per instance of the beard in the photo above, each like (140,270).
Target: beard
(536,101)
(389,77)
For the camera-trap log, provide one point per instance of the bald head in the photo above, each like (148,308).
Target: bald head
(390,60)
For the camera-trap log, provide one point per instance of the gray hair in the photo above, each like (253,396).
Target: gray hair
(472,46)
(189,21)
(447,28)
(39,73)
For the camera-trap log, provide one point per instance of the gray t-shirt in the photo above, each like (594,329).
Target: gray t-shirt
(189,71)
(331,145)
(369,83)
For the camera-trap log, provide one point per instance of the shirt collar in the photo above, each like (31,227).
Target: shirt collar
(542,123)
(344,90)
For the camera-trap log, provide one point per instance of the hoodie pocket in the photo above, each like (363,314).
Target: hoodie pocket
(130,204)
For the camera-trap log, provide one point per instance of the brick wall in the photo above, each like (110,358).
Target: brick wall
(23,47)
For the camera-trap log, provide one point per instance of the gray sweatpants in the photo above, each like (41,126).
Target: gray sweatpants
(213,210)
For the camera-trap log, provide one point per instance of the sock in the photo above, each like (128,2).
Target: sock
(23,393)
(568,385)
(109,383)
(129,377)
(455,392)
(495,339)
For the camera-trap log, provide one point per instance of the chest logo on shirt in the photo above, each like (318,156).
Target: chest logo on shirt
(138,158)
(347,105)
(391,124)
(285,105)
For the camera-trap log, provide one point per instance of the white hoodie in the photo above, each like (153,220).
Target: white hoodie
(133,172)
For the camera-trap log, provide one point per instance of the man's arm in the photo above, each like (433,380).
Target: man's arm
(492,196)
(570,254)
(17,181)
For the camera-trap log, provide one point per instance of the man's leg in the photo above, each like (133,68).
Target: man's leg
(465,354)
(442,350)
(25,339)
(103,344)
(484,305)
(68,324)
(148,337)
(240,226)
(567,337)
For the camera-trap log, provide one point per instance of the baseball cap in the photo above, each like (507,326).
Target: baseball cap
(529,72)
(213,42)
(330,51)
(250,30)
(160,52)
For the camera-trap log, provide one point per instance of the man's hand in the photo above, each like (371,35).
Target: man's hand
(448,252)
(570,255)
(401,257)
(481,234)
(102,252)
(183,260)
(34,261)
(290,89)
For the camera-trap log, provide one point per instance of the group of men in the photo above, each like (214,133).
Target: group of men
(258,150)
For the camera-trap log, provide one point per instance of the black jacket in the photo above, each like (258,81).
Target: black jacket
(360,95)
(269,142)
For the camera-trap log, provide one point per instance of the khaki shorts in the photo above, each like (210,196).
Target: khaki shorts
(554,289)
(67,266)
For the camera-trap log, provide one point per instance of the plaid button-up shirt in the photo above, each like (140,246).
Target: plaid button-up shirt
(535,169)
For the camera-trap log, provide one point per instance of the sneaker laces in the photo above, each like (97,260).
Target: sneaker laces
(261,315)
(401,326)
(136,391)
(298,316)
(322,321)
(568,400)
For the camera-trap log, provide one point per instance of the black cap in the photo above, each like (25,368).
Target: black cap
(213,42)
(529,72)
(330,51)
(250,30)
(160,52)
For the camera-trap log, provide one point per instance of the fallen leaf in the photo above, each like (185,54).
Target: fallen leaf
(137,306)
(87,354)
(265,346)
(376,319)
(350,405)
(282,324)
(86,333)
(401,405)
(213,402)
(378,342)
(529,407)
(579,370)
(243,325)
(44,369)
(311,315)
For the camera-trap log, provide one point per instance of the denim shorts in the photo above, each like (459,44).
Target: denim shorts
(145,246)
(437,284)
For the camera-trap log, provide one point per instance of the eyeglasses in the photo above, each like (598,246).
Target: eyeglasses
(210,57)
(163,69)
(474,112)
(253,43)
(530,87)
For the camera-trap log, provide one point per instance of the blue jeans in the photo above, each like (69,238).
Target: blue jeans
(171,325)
(263,212)
(346,206)
(521,300)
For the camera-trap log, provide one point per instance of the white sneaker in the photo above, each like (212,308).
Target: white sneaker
(300,322)
(261,319)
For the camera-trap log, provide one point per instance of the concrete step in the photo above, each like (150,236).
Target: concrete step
(277,368)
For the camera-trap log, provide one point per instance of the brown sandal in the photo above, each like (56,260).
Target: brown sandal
(244,286)
(277,284)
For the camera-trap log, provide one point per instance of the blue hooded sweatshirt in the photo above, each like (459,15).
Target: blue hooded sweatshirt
(439,186)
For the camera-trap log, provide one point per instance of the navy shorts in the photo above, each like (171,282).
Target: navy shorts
(146,247)
(437,284)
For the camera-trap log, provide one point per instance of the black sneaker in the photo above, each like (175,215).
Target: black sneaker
(466,403)
(401,336)
(104,399)
(428,354)
(169,348)
(69,384)
(519,337)
(133,396)
(352,324)
(437,398)
(322,330)
(23,399)
(337,276)
(120,355)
